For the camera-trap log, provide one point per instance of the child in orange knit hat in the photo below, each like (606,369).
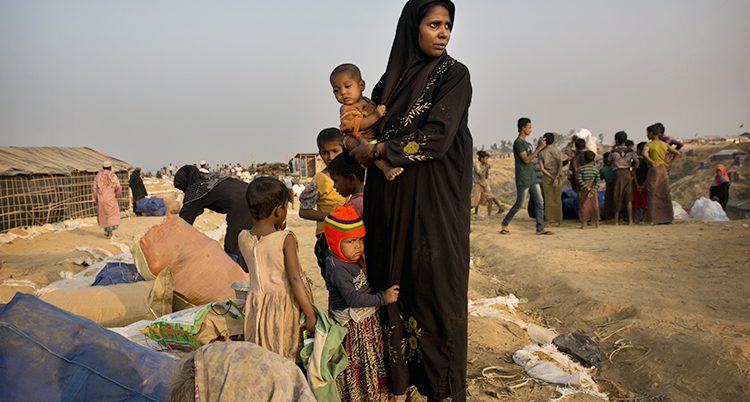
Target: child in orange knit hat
(352,305)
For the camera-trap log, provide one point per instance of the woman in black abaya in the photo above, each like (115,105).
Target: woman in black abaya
(418,224)
(137,187)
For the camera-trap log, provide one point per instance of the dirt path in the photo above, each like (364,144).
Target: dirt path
(680,292)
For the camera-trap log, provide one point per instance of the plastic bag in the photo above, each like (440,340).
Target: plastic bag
(708,210)
(679,212)
(192,328)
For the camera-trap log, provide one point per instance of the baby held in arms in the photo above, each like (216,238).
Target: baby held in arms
(358,114)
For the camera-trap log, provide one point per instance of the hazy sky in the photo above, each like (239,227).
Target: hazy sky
(239,81)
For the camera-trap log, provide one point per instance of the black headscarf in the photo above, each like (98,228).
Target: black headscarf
(195,184)
(408,68)
(137,186)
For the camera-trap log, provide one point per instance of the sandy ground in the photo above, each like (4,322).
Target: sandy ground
(678,295)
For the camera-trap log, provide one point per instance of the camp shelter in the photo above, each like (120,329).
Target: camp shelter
(305,165)
(726,155)
(40,185)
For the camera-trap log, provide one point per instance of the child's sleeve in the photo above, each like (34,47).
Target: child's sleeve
(343,281)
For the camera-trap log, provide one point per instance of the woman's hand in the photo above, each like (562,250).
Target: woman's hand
(363,153)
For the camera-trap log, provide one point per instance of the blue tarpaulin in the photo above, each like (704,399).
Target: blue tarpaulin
(47,354)
(151,206)
(115,273)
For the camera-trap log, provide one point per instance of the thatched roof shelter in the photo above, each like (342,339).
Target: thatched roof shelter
(40,185)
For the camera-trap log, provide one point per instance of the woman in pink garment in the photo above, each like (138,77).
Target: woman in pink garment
(106,190)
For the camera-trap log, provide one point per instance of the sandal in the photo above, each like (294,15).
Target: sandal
(504,231)
(545,232)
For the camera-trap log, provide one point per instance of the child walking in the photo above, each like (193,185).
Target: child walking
(279,291)
(319,197)
(358,114)
(588,182)
(352,305)
(348,179)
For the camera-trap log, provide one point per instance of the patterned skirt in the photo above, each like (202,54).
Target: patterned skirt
(365,377)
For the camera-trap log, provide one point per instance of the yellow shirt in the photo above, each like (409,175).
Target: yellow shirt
(329,198)
(657,150)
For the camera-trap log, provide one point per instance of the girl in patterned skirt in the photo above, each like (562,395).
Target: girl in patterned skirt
(352,305)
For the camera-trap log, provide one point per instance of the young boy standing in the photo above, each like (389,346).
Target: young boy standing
(320,197)
(588,184)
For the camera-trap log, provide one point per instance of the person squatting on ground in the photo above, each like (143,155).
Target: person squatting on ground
(526,178)
(352,304)
(551,164)
(319,197)
(105,192)
(279,291)
(358,114)
(588,183)
(623,160)
(481,192)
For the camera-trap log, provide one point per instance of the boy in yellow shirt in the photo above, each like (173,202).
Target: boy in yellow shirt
(319,197)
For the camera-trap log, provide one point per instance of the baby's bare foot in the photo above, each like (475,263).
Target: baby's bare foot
(393,172)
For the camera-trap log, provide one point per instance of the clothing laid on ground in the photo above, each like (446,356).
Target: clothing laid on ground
(588,200)
(418,224)
(352,305)
(221,194)
(659,197)
(137,187)
(106,190)
(272,314)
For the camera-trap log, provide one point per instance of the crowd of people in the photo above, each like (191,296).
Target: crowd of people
(635,179)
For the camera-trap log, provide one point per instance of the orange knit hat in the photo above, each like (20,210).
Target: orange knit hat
(341,224)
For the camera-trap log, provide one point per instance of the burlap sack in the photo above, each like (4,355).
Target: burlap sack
(110,306)
(201,270)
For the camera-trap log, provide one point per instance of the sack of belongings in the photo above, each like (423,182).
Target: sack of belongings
(192,328)
(151,206)
(47,354)
(110,306)
(202,272)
